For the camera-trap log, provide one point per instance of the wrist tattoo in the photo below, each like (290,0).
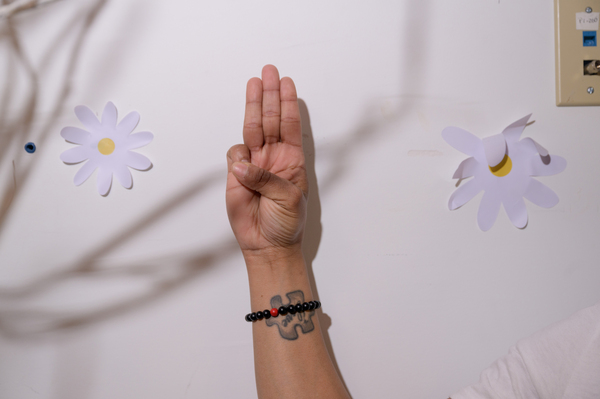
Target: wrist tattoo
(287,324)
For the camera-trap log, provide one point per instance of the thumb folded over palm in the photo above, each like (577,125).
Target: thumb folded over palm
(266,182)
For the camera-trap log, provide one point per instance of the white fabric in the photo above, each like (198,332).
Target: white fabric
(559,362)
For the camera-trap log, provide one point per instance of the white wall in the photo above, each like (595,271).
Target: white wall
(143,293)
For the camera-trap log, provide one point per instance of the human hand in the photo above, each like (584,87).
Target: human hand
(267,188)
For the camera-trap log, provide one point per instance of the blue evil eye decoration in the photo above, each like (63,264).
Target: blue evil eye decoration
(30,147)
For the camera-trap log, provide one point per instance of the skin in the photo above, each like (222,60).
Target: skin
(267,193)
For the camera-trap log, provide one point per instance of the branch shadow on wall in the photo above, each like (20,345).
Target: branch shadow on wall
(20,316)
(23,321)
(19,128)
(30,322)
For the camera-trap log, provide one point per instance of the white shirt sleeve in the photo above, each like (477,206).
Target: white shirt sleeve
(561,361)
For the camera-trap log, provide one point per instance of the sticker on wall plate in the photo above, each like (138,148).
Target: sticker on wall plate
(587,21)
(107,146)
(503,166)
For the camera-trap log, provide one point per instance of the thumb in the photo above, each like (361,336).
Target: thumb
(264,182)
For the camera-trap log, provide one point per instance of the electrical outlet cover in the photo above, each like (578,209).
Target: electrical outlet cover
(576,45)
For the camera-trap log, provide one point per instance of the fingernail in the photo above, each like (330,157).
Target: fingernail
(240,169)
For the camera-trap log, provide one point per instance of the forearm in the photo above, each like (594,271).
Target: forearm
(290,356)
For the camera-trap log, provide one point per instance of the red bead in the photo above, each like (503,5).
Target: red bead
(274,312)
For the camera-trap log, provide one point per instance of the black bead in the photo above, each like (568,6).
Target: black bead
(318,305)
(248,317)
(311,305)
(259,315)
(305,306)
(253,316)
(298,308)
(291,309)
(267,313)
(282,310)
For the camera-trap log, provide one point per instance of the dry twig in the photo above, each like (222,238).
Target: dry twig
(10,9)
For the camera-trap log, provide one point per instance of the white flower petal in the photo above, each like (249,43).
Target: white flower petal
(488,211)
(75,135)
(87,117)
(124,176)
(462,140)
(75,155)
(466,168)
(495,149)
(138,140)
(514,130)
(555,166)
(464,194)
(109,116)
(517,213)
(541,195)
(85,172)
(104,181)
(534,146)
(128,123)
(137,161)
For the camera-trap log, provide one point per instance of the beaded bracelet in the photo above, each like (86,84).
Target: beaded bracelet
(283,310)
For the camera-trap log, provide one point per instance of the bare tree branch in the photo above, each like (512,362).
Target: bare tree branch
(10,9)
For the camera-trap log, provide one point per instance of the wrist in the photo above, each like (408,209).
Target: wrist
(276,272)
(273,258)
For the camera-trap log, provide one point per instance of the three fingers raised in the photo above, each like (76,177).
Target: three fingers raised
(272,114)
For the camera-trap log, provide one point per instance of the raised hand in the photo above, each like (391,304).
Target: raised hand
(267,187)
(266,203)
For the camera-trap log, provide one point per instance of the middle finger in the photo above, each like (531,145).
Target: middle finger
(271,104)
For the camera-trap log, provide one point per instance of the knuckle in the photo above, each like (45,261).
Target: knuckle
(270,114)
(290,120)
(252,125)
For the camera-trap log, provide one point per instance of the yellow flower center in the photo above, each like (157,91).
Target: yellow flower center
(503,168)
(106,146)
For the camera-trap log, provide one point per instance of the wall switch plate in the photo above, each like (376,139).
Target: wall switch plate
(577,52)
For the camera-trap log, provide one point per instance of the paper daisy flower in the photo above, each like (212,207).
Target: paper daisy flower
(106,146)
(502,166)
